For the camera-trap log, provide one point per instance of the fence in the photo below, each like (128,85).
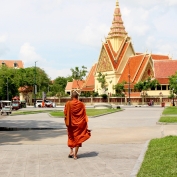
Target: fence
(115,100)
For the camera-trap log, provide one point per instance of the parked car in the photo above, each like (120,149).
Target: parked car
(47,103)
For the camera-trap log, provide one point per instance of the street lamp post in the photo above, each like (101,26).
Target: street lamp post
(35,87)
(7,89)
(173,98)
(129,84)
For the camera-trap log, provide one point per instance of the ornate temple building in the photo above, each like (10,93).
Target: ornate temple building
(119,62)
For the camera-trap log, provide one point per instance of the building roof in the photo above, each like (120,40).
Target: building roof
(134,67)
(12,63)
(160,57)
(90,80)
(117,28)
(78,84)
(25,89)
(74,85)
(165,68)
(115,58)
(69,86)
(163,80)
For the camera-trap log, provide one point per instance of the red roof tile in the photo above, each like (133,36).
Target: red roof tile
(77,84)
(159,57)
(165,68)
(115,61)
(90,80)
(134,66)
(12,63)
(69,86)
(163,80)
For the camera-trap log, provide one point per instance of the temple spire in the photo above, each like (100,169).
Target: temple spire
(117,29)
(117,3)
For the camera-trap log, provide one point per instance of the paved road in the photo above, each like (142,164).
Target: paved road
(113,150)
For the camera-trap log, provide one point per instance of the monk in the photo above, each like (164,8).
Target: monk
(76,122)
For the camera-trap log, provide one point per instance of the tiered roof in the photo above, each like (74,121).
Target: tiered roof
(90,80)
(117,28)
(134,68)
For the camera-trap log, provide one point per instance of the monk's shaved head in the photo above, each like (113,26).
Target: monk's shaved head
(75,94)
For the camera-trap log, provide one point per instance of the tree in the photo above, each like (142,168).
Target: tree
(58,86)
(9,83)
(79,74)
(102,80)
(23,77)
(173,85)
(146,84)
(119,88)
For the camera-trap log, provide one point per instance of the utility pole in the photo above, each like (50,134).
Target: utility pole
(35,86)
(7,89)
(129,84)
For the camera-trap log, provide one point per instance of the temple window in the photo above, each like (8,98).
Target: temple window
(153,88)
(164,87)
(158,87)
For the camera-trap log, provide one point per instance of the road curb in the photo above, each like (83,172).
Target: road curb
(140,160)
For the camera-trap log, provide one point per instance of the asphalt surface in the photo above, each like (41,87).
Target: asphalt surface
(116,147)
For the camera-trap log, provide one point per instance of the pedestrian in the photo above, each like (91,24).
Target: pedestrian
(76,122)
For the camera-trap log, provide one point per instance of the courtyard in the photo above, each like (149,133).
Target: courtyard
(116,147)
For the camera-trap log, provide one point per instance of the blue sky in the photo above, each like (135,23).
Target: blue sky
(62,34)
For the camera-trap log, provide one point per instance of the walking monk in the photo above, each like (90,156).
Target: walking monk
(76,122)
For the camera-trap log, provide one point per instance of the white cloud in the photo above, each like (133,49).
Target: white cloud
(141,29)
(3,38)
(54,73)
(171,2)
(48,5)
(126,11)
(93,34)
(167,48)
(28,54)
(150,41)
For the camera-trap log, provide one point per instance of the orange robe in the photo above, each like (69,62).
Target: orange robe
(76,122)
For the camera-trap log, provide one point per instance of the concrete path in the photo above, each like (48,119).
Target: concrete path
(113,150)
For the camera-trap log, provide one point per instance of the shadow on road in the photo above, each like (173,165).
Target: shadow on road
(32,136)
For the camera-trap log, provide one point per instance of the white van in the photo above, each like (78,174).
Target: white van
(48,103)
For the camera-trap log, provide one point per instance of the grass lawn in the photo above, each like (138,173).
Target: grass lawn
(169,113)
(170,110)
(160,159)
(30,112)
(168,119)
(55,113)
(90,112)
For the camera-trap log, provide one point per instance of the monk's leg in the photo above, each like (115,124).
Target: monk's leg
(71,154)
(76,151)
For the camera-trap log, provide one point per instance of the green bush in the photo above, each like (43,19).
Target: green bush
(104,96)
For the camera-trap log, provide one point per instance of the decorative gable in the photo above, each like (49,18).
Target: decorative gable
(104,63)
(148,72)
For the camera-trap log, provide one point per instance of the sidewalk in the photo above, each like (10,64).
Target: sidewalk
(114,149)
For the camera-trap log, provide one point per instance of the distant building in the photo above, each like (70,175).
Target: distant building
(12,63)
(120,62)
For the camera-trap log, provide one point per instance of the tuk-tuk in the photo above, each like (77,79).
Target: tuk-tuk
(15,104)
(6,107)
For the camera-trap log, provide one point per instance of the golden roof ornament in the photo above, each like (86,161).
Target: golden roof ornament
(117,29)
